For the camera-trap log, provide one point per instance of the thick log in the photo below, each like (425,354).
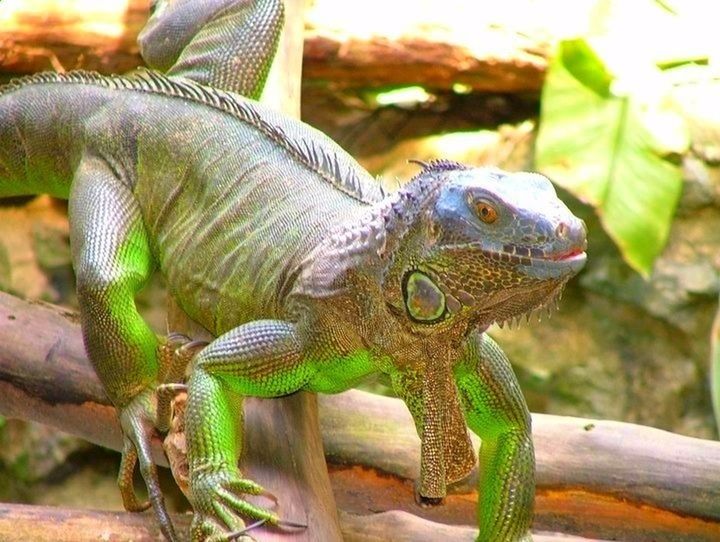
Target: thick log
(20,523)
(351,44)
(378,43)
(63,35)
(409,528)
(595,478)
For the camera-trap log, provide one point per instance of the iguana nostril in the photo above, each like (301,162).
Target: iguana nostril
(562,230)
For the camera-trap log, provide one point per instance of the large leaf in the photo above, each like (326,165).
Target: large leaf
(605,135)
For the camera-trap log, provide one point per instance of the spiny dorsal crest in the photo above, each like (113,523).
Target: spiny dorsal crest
(439,164)
(318,153)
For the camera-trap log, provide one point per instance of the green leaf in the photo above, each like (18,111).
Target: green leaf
(610,149)
(585,66)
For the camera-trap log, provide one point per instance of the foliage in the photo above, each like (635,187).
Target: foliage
(610,132)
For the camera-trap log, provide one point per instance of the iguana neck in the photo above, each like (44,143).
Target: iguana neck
(368,246)
(408,233)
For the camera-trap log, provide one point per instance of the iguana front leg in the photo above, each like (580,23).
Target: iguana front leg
(446,453)
(112,261)
(260,359)
(496,411)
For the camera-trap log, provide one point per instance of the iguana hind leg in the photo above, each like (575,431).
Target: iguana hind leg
(112,260)
(261,359)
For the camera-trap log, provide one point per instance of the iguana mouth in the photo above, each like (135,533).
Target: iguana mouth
(539,254)
(515,254)
(568,255)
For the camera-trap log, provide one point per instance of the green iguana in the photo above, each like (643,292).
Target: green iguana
(286,250)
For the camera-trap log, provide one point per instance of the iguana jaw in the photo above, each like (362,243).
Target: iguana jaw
(542,264)
(486,282)
(552,302)
(545,280)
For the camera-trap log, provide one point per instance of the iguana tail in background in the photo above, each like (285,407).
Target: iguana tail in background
(225,44)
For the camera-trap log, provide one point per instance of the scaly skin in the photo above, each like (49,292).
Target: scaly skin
(311,278)
(225,44)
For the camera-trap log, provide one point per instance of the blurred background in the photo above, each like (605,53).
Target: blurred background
(617,102)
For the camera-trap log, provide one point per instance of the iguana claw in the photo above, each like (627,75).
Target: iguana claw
(269,496)
(219,507)
(283,523)
(165,395)
(246,530)
(137,420)
(288,524)
(174,353)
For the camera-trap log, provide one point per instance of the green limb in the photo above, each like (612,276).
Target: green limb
(496,411)
(112,260)
(262,359)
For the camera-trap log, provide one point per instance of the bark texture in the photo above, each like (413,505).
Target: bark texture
(349,45)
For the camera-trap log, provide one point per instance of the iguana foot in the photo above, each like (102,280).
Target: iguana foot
(174,354)
(137,420)
(165,395)
(426,502)
(219,507)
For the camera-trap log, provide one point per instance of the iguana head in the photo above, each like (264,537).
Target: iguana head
(482,244)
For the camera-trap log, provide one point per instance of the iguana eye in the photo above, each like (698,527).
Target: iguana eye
(485,212)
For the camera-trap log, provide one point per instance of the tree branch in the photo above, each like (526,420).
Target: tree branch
(431,45)
(20,523)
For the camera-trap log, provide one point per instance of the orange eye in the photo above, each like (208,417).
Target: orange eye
(485,212)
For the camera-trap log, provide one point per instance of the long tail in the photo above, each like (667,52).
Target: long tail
(42,119)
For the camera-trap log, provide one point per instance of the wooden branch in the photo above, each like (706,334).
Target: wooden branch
(347,44)
(433,44)
(52,35)
(409,528)
(595,478)
(20,523)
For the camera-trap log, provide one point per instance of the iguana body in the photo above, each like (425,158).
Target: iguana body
(277,242)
